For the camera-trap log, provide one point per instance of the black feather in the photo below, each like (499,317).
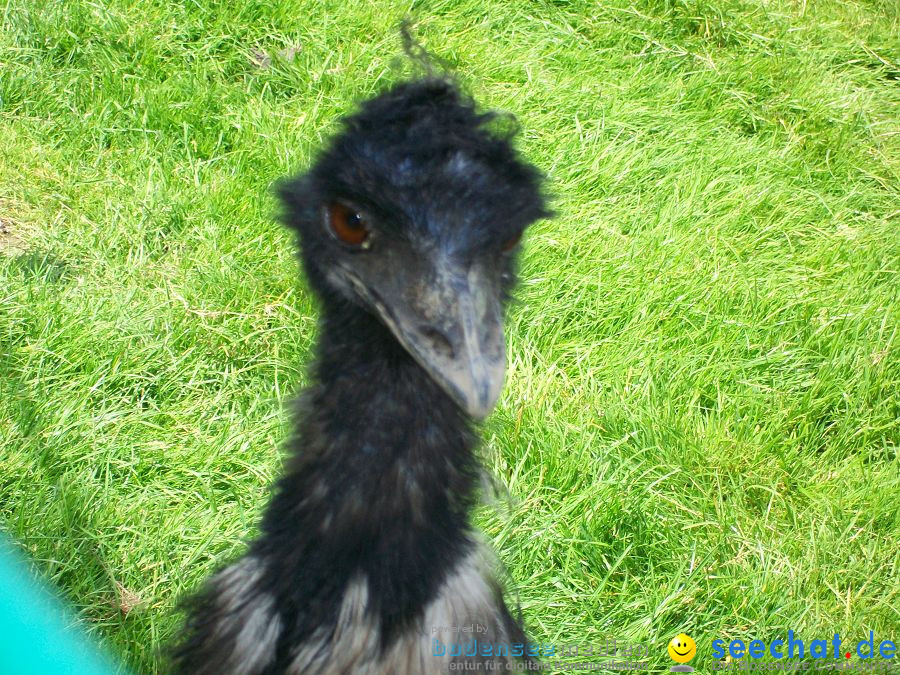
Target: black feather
(382,474)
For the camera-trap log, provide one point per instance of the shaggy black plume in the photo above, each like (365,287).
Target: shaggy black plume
(408,224)
(424,161)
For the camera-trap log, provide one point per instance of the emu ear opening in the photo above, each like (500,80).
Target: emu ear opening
(291,191)
(296,199)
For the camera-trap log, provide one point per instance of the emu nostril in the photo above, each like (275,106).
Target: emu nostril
(438,340)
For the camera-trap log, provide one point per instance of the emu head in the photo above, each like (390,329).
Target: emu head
(414,213)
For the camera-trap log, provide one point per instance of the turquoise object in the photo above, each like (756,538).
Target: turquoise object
(38,636)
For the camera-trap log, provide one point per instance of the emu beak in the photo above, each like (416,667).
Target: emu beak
(450,321)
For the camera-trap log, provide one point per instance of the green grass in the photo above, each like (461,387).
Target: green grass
(700,429)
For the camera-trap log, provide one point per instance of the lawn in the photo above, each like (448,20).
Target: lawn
(700,426)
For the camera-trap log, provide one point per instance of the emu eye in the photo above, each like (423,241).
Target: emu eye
(348,225)
(511,243)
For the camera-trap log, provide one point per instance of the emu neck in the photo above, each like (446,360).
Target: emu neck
(402,441)
(380,482)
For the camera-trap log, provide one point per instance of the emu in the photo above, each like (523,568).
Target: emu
(409,225)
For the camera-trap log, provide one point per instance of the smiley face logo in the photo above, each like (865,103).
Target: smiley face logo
(682,649)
